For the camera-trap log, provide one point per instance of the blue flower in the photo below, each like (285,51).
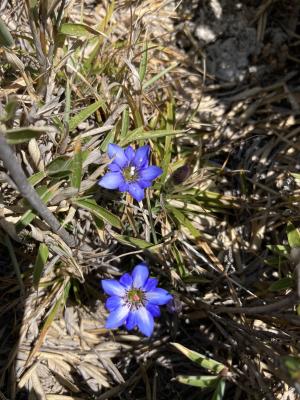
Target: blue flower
(134,300)
(130,170)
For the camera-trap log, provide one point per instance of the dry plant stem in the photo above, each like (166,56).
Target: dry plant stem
(268,308)
(15,170)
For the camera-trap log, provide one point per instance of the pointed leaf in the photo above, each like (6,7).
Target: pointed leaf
(84,114)
(92,206)
(40,262)
(204,381)
(200,359)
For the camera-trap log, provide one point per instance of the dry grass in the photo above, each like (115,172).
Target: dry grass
(224,214)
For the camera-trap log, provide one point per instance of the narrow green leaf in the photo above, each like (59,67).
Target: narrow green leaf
(293,235)
(46,194)
(79,30)
(279,249)
(292,364)
(204,381)
(92,206)
(36,178)
(10,109)
(143,63)
(40,261)
(200,359)
(282,284)
(125,123)
(5,36)
(68,103)
(183,220)
(77,166)
(21,135)
(60,166)
(84,114)
(168,142)
(220,390)
(109,138)
(140,134)
(133,242)
(159,75)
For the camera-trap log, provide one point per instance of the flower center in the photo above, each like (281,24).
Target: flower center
(136,298)
(130,173)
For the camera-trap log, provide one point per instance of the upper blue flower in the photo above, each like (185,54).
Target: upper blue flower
(130,170)
(134,300)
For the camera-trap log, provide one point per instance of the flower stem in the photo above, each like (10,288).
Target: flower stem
(150,218)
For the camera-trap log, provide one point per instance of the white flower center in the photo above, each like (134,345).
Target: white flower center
(132,171)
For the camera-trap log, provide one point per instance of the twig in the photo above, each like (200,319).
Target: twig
(268,308)
(12,164)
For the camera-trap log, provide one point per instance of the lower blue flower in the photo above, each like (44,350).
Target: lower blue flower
(134,300)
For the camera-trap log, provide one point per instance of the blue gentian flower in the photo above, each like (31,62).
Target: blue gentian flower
(134,300)
(130,170)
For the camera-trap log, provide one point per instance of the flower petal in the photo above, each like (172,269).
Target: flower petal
(124,187)
(150,284)
(113,302)
(131,320)
(136,191)
(144,321)
(114,167)
(153,309)
(141,158)
(129,153)
(111,180)
(143,183)
(113,287)
(117,317)
(140,275)
(116,152)
(126,281)
(150,173)
(158,296)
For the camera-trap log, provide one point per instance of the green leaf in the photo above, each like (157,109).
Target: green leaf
(293,235)
(92,206)
(293,366)
(60,166)
(46,194)
(220,390)
(5,36)
(72,29)
(200,359)
(168,142)
(40,261)
(125,123)
(109,138)
(282,284)
(21,135)
(77,166)
(133,242)
(296,176)
(159,75)
(10,110)
(84,114)
(141,134)
(279,249)
(183,220)
(204,381)
(36,178)
(143,63)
